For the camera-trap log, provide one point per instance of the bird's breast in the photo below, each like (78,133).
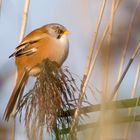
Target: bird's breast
(64,49)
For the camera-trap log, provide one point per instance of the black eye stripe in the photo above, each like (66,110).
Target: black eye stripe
(59,36)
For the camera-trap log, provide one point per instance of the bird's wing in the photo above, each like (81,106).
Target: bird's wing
(24,47)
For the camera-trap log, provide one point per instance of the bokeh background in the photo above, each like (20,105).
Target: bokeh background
(80,17)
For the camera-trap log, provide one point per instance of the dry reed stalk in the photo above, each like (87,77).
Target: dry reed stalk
(105,130)
(125,71)
(22,32)
(127,43)
(132,96)
(117,4)
(100,45)
(86,73)
(24,19)
(109,44)
(104,35)
(87,76)
(93,44)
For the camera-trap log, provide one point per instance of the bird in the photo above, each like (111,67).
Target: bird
(47,42)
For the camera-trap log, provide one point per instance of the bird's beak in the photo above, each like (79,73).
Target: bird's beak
(66,32)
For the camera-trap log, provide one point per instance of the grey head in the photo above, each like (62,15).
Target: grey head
(55,30)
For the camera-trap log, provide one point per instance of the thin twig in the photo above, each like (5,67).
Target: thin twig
(23,27)
(125,71)
(127,42)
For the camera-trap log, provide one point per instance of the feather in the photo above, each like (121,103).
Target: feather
(18,91)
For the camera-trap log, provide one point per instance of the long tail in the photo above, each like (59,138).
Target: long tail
(16,94)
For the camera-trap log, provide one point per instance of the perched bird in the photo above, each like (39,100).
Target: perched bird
(49,41)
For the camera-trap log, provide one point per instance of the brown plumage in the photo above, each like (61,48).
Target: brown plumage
(49,41)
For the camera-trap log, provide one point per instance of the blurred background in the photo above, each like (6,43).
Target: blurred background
(81,18)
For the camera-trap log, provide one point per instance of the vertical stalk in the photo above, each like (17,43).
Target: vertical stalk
(107,65)
(93,44)
(87,69)
(106,129)
(24,19)
(22,31)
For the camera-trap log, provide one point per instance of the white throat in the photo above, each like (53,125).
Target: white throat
(64,40)
(64,49)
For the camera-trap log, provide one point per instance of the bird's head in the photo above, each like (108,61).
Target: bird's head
(56,30)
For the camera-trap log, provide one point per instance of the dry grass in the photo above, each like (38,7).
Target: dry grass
(54,92)
(88,68)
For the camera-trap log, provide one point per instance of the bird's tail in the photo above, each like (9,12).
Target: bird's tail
(16,94)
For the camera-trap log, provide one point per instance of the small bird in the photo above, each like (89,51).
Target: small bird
(49,41)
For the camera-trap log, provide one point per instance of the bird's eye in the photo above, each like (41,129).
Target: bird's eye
(59,31)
